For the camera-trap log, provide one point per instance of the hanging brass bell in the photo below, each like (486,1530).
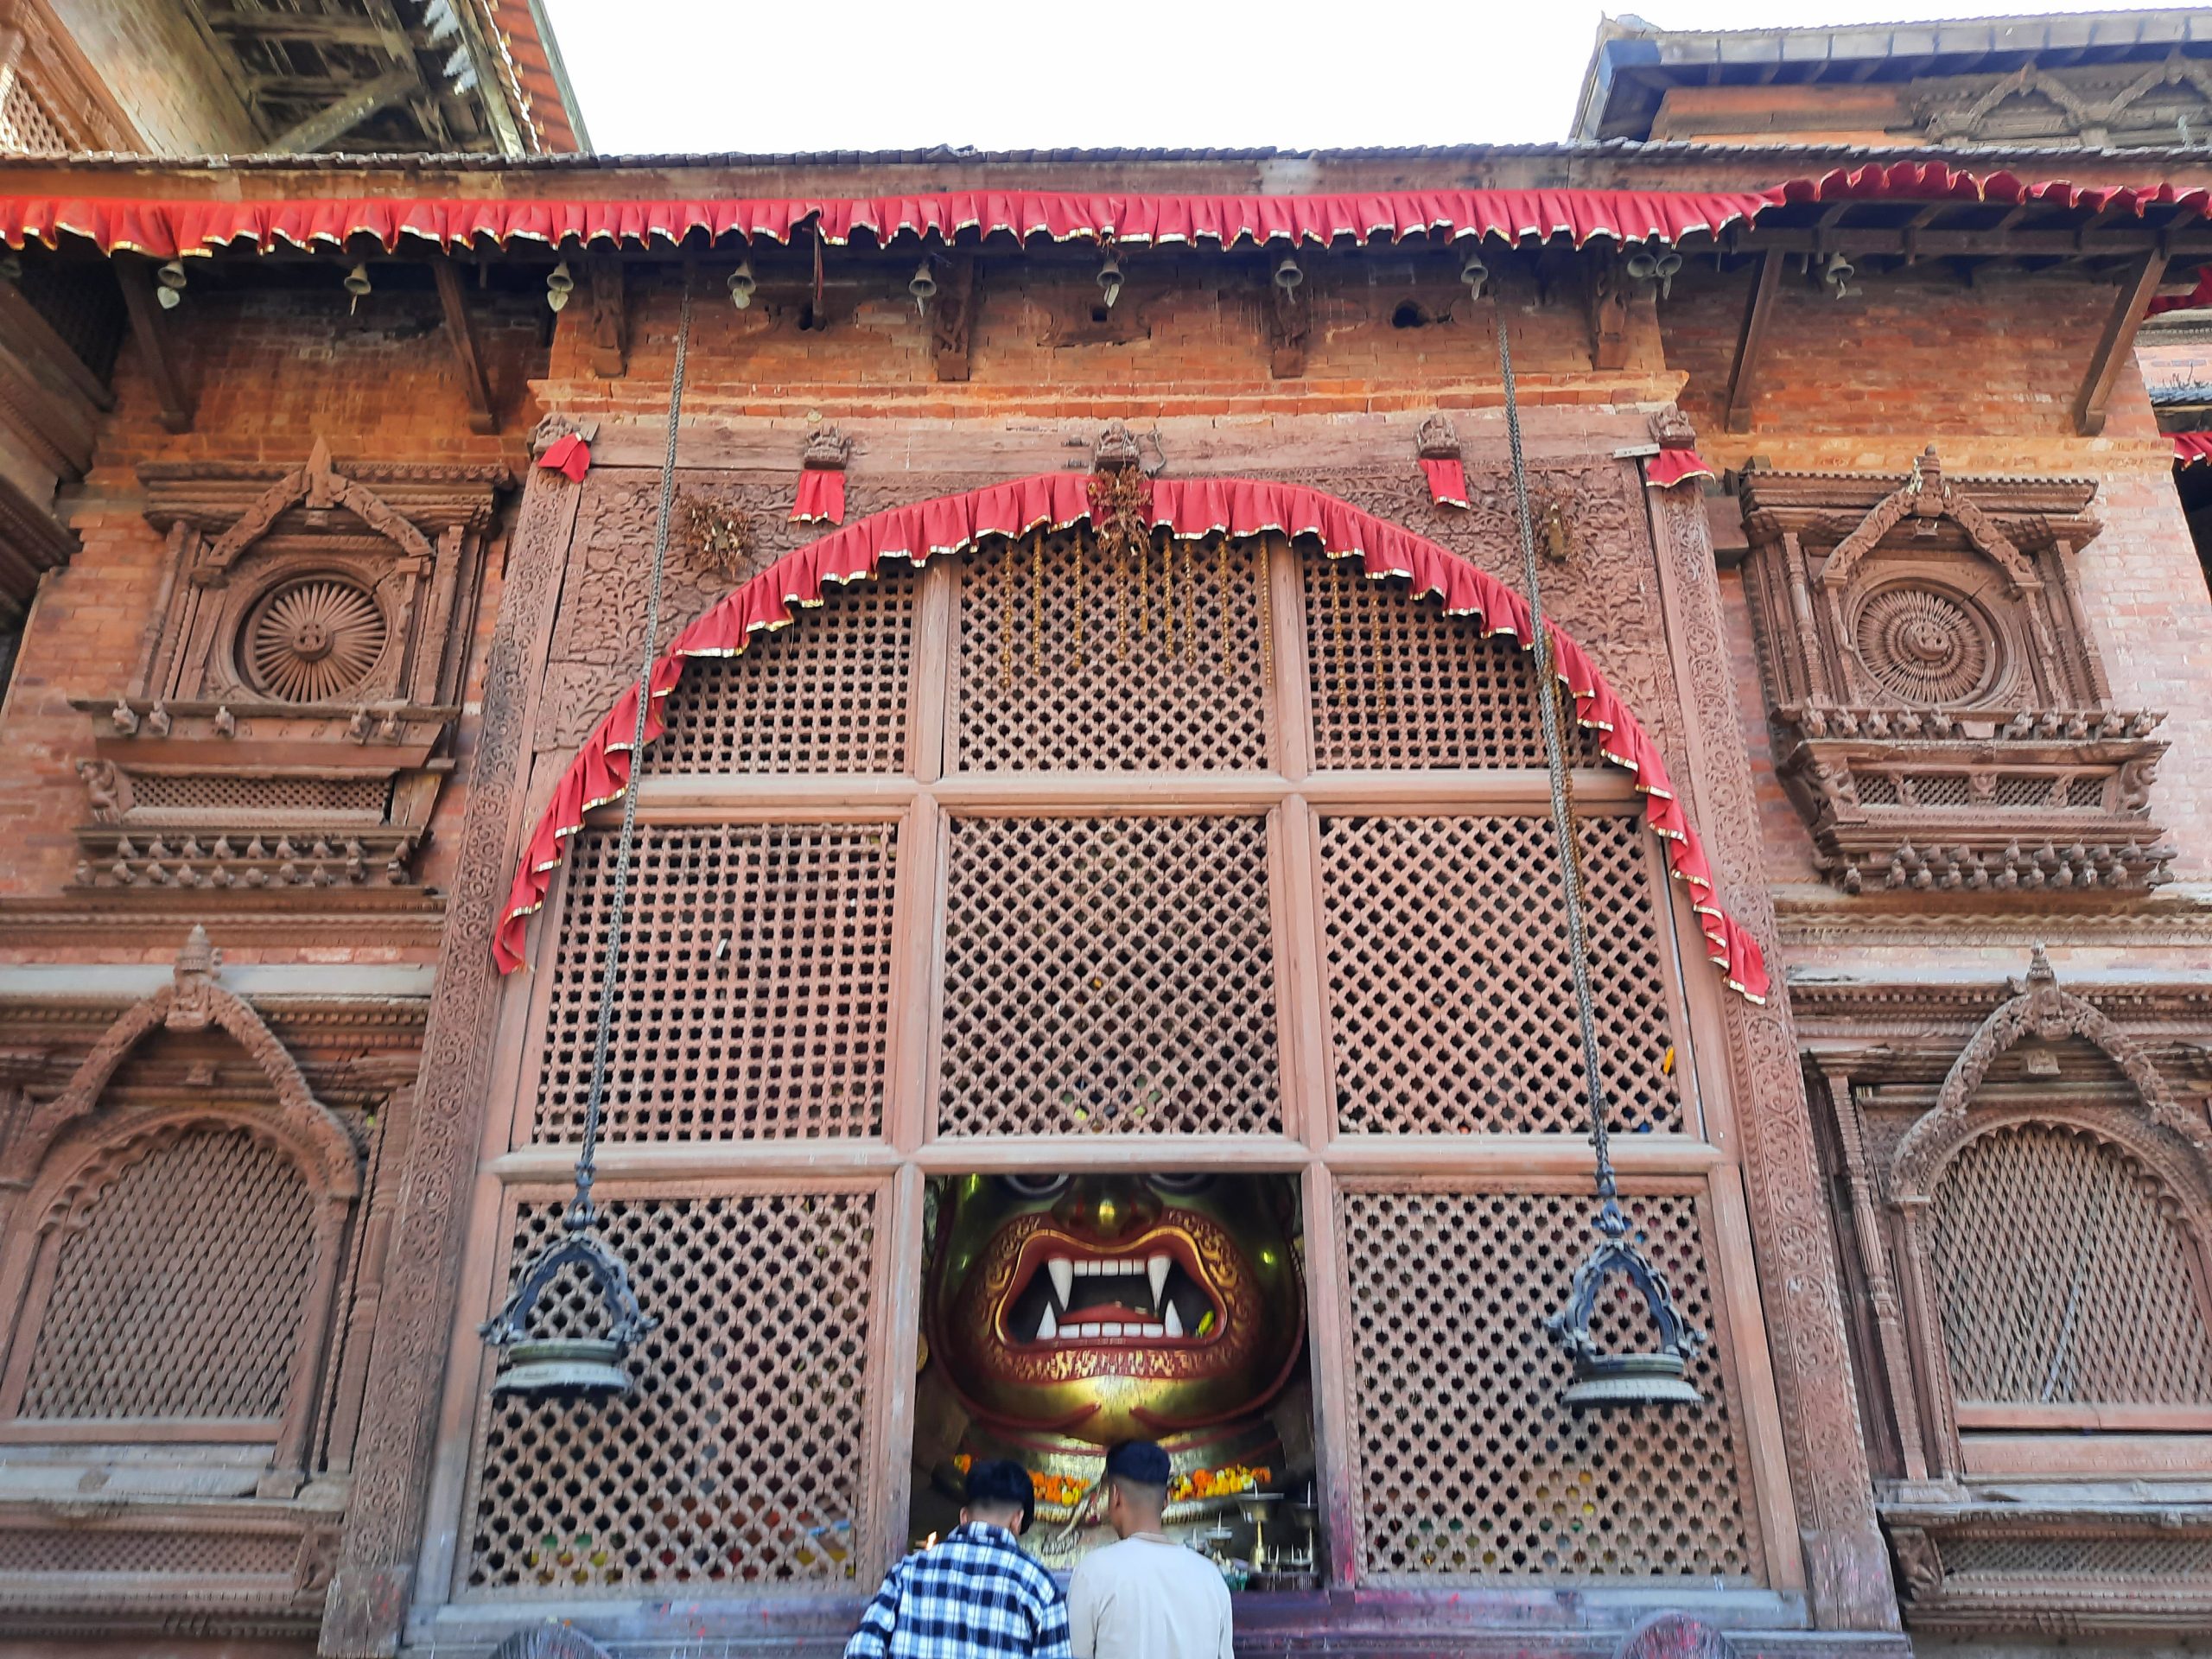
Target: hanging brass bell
(549,1365)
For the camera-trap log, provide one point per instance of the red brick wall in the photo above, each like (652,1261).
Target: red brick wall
(1988,373)
(269,373)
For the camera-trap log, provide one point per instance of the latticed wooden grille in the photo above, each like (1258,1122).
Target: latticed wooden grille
(2063,1277)
(2103,1558)
(826,695)
(740,1459)
(756,994)
(98,1549)
(1108,974)
(182,1293)
(1470,1468)
(1069,661)
(1450,995)
(1397,683)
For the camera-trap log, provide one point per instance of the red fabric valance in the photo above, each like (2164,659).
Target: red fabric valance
(1188,507)
(2190,447)
(166,228)
(1670,466)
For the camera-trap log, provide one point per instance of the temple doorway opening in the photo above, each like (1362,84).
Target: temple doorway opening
(1066,1311)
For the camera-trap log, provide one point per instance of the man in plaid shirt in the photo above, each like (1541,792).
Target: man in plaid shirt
(976,1595)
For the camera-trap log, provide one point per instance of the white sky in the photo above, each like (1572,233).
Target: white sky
(881,74)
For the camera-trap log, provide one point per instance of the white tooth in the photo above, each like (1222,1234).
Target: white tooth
(1048,1327)
(1173,1328)
(1156,1330)
(1086,1330)
(1157,1268)
(1085,1269)
(1113,1329)
(1063,1272)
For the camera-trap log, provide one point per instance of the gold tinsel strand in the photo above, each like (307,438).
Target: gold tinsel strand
(1266,619)
(1037,606)
(1122,600)
(1167,609)
(1190,605)
(1144,586)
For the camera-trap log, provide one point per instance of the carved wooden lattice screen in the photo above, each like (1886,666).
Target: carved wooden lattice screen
(181,1294)
(1255,866)
(2064,1277)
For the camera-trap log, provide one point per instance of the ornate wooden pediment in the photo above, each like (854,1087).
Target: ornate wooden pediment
(291,727)
(1939,712)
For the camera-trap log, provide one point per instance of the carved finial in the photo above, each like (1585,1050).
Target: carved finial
(1928,495)
(1671,429)
(226,723)
(1117,448)
(827,450)
(2046,1008)
(1437,439)
(125,718)
(324,486)
(191,1007)
(157,720)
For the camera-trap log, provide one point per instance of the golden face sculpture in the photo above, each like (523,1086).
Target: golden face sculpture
(1109,1307)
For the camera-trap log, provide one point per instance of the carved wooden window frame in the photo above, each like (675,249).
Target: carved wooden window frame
(65,1150)
(894,1163)
(2172,1147)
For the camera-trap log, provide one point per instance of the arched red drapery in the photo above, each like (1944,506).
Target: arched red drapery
(1187,507)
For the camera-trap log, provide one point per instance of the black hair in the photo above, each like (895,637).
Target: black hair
(1001,1483)
(1141,1463)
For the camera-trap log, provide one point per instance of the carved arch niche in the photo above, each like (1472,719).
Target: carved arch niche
(1941,716)
(2035,1274)
(292,722)
(172,1226)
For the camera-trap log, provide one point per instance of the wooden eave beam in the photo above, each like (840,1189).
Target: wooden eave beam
(2139,285)
(327,126)
(135,273)
(298,26)
(1937,244)
(1743,376)
(474,385)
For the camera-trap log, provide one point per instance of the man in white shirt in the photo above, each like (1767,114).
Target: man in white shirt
(1146,1597)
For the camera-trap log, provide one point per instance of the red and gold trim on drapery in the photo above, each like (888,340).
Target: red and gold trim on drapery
(1187,508)
(820,497)
(168,227)
(1447,479)
(1672,467)
(2190,447)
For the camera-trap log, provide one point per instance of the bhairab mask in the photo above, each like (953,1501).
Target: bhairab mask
(1109,1307)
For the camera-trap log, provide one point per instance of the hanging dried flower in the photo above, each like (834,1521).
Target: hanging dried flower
(720,530)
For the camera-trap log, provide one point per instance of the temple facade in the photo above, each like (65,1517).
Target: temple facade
(1085,946)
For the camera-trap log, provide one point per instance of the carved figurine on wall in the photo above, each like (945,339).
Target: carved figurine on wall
(1063,1313)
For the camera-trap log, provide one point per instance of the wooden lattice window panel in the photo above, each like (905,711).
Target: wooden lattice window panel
(2101,1559)
(1398,685)
(25,124)
(95,1549)
(740,1457)
(755,993)
(1139,690)
(1450,999)
(1471,1468)
(826,695)
(2062,1276)
(181,1295)
(1109,974)
(168,793)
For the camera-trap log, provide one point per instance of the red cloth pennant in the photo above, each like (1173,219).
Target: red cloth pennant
(820,497)
(2189,448)
(1188,508)
(568,454)
(1447,479)
(1671,467)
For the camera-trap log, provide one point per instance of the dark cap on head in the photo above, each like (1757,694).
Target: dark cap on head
(1140,1462)
(1001,1483)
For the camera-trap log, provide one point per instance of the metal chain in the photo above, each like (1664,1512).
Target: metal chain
(581,1213)
(1610,1220)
